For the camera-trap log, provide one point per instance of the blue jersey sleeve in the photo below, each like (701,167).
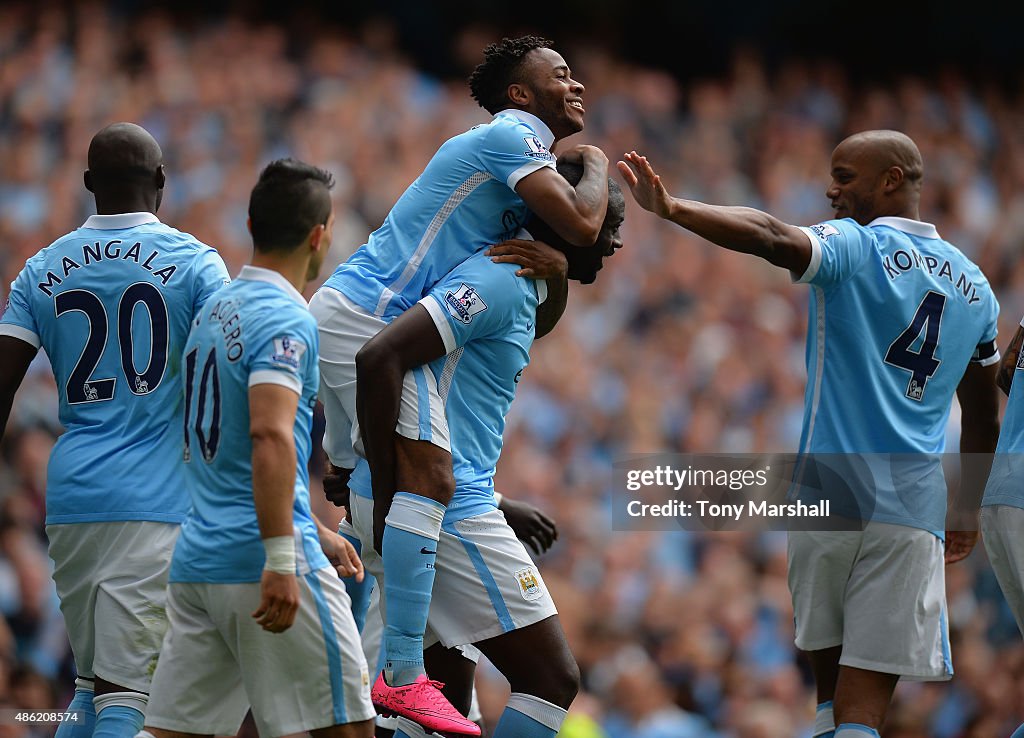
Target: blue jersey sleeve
(838,249)
(285,351)
(18,320)
(476,299)
(511,151)
(210,276)
(987,350)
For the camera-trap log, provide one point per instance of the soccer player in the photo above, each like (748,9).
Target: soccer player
(899,321)
(473,193)
(111,303)
(257,613)
(1002,513)
(475,329)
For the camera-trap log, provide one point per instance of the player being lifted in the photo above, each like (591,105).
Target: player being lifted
(473,193)
(899,321)
(487,592)
(258,616)
(111,303)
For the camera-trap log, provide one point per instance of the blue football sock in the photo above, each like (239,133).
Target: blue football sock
(526,716)
(410,550)
(855,730)
(118,721)
(358,592)
(85,715)
(824,722)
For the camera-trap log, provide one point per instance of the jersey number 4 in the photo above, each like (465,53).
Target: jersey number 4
(81,386)
(922,363)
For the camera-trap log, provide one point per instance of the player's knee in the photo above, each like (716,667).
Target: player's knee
(558,682)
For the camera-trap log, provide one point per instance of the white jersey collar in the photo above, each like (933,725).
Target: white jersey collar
(120,220)
(259,274)
(913,227)
(539,127)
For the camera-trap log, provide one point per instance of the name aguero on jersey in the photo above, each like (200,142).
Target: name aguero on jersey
(904,260)
(94,253)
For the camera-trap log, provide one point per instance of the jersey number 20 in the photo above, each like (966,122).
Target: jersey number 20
(81,387)
(922,363)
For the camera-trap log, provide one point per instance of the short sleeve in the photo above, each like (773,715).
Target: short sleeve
(18,320)
(210,276)
(285,352)
(987,350)
(511,151)
(838,249)
(475,300)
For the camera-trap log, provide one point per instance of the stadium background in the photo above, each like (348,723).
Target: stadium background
(679,346)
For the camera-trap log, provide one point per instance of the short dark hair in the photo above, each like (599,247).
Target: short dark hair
(584,262)
(503,61)
(289,199)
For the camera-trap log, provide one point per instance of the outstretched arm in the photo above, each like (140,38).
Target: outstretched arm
(575,213)
(740,229)
(17,355)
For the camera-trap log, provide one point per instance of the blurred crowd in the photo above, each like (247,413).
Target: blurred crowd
(678,347)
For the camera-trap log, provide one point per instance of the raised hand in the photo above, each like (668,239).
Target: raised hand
(645,184)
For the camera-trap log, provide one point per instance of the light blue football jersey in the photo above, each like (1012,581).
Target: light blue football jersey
(111,304)
(463,202)
(1004,482)
(896,315)
(255,331)
(485,315)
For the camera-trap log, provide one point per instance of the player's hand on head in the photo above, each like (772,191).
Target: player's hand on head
(537,259)
(959,544)
(336,485)
(530,525)
(279,601)
(342,555)
(645,184)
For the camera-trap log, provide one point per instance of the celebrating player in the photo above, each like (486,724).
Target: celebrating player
(475,329)
(899,321)
(258,616)
(111,303)
(474,192)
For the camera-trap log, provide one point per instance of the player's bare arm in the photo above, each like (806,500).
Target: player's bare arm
(575,213)
(17,355)
(1008,365)
(746,230)
(539,261)
(272,411)
(979,405)
(409,341)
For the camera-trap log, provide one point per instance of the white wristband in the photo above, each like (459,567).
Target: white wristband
(280,554)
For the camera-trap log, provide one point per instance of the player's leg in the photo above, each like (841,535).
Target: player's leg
(543,675)
(455,670)
(131,621)
(197,686)
(423,474)
(489,592)
(895,623)
(358,592)
(1002,527)
(818,566)
(311,677)
(73,563)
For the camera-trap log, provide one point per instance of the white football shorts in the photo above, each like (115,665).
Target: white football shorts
(1003,529)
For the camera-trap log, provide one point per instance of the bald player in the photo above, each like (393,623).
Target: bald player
(111,304)
(899,321)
